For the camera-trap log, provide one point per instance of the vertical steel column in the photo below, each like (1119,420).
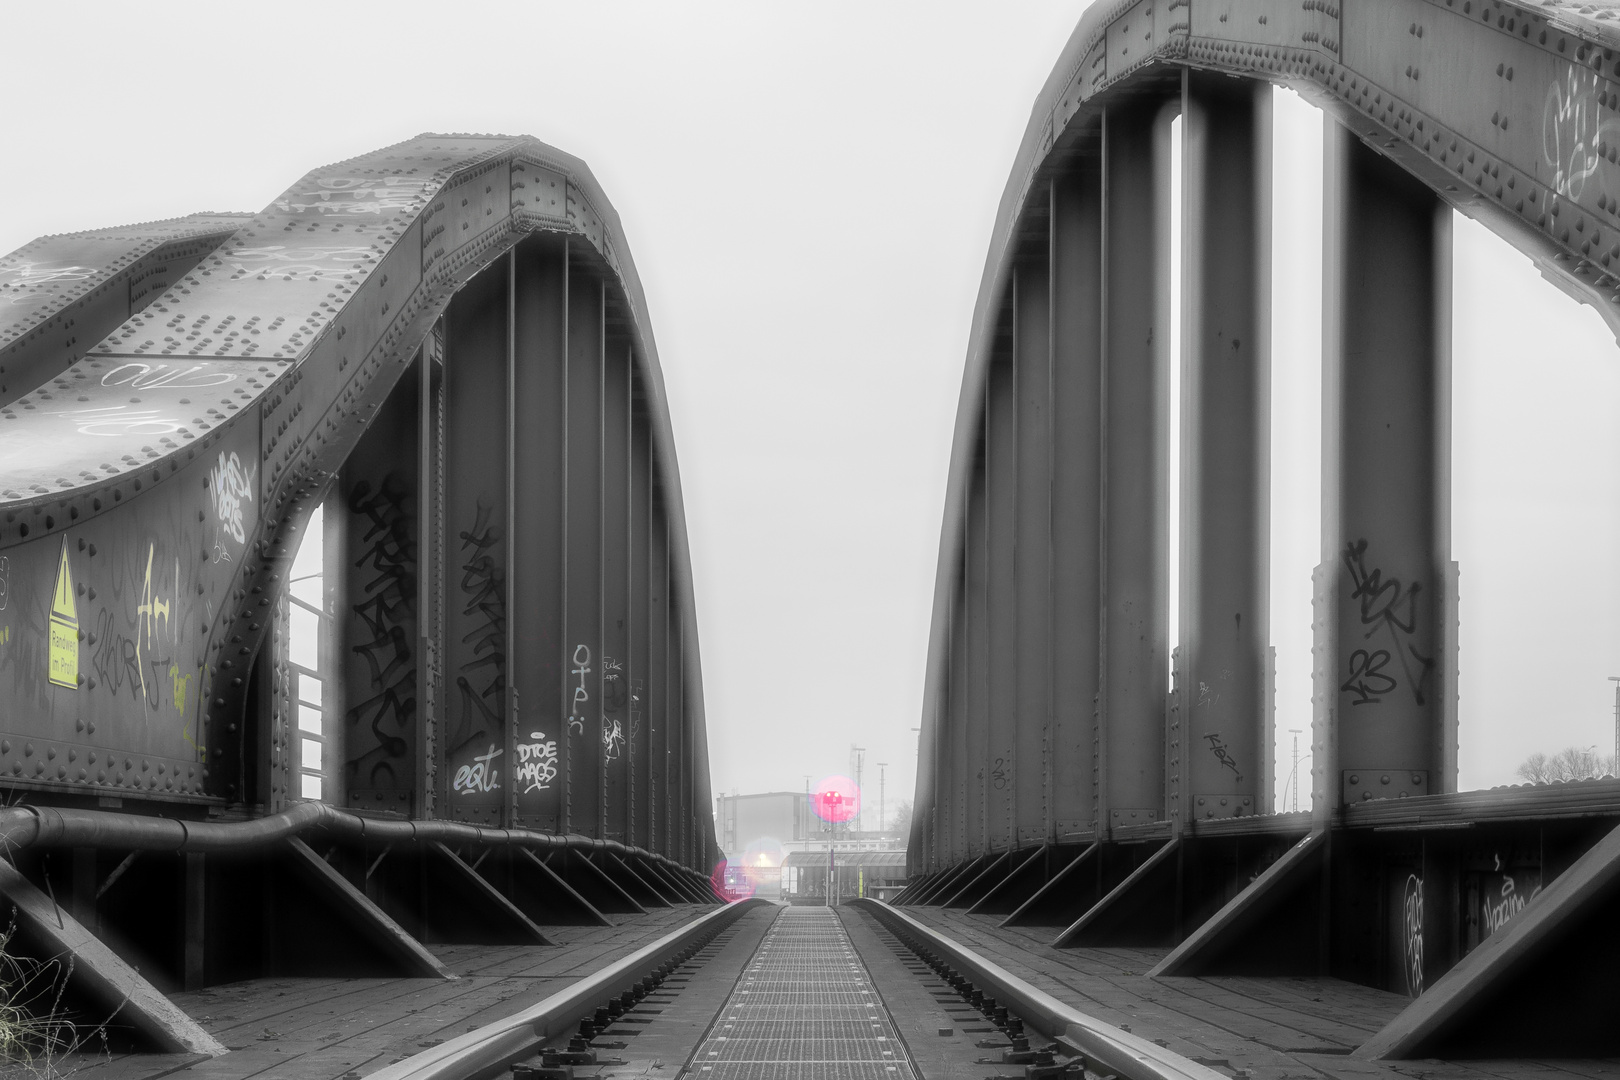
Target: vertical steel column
(957,772)
(641,614)
(373,673)
(922,842)
(658,583)
(1220,744)
(680,736)
(1076,271)
(1384,722)
(1032,553)
(332,660)
(476,762)
(509,570)
(582,588)
(1001,530)
(703,839)
(970,765)
(194,908)
(1134,608)
(616,669)
(539,511)
(430,681)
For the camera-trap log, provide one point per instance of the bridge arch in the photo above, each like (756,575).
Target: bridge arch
(446,340)
(1064,777)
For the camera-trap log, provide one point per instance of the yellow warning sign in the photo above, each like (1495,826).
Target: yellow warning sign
(64,627)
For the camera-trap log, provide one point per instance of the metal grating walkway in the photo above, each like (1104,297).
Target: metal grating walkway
(804,1009)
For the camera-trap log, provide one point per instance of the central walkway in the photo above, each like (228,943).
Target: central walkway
(804,1009)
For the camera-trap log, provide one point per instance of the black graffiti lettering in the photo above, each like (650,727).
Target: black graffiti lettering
(484,597)
(1385,605)
(383,706)
(130,654)
(1367,679)
(1222,755)
(389,604)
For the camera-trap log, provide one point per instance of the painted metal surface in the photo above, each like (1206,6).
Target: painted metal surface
(1500,110)
(373,333)
(1133,515)
(1032,556)
(1386,448)
(1076,274)
(1220,742)
(61,294)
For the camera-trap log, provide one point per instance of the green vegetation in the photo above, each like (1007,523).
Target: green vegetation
(35,1031)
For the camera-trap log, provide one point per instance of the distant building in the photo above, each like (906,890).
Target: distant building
(750,825)
(878,873)
(762,833)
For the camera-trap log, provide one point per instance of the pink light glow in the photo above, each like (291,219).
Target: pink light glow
(836,799)
(730,883)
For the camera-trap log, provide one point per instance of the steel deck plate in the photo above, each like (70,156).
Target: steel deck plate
(804,1009)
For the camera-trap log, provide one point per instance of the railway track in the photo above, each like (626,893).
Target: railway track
(763,992)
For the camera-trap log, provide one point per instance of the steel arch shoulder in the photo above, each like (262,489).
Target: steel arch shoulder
(170,466)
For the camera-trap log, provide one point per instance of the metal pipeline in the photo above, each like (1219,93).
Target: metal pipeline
(52,826)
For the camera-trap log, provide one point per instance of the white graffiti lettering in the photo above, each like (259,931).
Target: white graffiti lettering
(151,376)
(115,420)
(582,668)
(332,264)
(355,195)
(1573,130)
(612,740)
(1508,902)
(481,775)
(231,487)
(18,282)
(537,763)
(1412,934)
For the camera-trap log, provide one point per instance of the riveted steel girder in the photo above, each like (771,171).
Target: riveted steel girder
(1134,608)
(419,337)
(1220,737)
(1499,109)
(1075,248)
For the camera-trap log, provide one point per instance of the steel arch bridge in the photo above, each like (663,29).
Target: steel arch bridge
(1066,778)
(487,713)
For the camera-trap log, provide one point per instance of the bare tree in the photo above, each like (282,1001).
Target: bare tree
(900,819)
(1570,763)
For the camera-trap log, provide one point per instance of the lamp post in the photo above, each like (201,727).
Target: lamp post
(881,766)
(1293,775)
(1616,680)
(860,764)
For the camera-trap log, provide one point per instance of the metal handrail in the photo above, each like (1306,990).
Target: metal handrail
(55,826)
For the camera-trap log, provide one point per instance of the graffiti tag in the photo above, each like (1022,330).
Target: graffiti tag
(230,486)
(1384,605)
(1412,934)
(537,763)
(481,775)
(581,668)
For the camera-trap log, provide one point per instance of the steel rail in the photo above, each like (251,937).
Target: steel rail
(53,826)
(1129,1056)
(494,1046)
